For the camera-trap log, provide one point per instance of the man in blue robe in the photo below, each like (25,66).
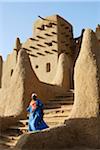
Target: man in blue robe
(35,110)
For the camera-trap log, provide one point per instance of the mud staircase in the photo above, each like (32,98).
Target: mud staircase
(9,138)
(56,111)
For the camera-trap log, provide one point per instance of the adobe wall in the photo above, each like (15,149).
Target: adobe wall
(16,97)
(65,44)
(8,68)
(65,36)
(62,76)
(42,55)
(87,78)
(83,126)
(51,37)
(1,64)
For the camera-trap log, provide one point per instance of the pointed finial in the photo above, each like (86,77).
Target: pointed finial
(17,44)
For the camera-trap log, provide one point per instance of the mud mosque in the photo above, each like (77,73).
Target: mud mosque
(51,37)
(52,63)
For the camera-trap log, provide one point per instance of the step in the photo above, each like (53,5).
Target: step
(61,102)
(48,114)
(62,98)
(19,123)
(65,96)
(68,94)
(56,119)
(9,144)
(8,137)
(57,104)
(62,109)
(18,128)
(5,139)
(54,124)
(52,106)
(64,114)
(11,132)
(58,113)
(4,147)
(24,122)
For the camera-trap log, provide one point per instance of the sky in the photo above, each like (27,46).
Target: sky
(18,16)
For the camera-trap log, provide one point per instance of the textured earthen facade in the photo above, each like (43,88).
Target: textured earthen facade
(51,37)
(83,126)
(44,64)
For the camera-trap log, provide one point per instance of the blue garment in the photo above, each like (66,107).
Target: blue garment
(36,121)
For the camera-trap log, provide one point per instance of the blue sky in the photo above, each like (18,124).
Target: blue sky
(17,18)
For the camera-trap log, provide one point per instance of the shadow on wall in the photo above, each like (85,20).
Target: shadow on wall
(23,83)
(76,132)
(86,131)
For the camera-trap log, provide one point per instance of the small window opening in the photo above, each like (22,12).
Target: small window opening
(48,67)
(11,72)
(36,66)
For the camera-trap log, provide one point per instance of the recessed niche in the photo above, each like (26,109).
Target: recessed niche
(48,67)
(11,72)
(36,66)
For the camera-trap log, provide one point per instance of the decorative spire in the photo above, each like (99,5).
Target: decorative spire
(17,44)
(98,32)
